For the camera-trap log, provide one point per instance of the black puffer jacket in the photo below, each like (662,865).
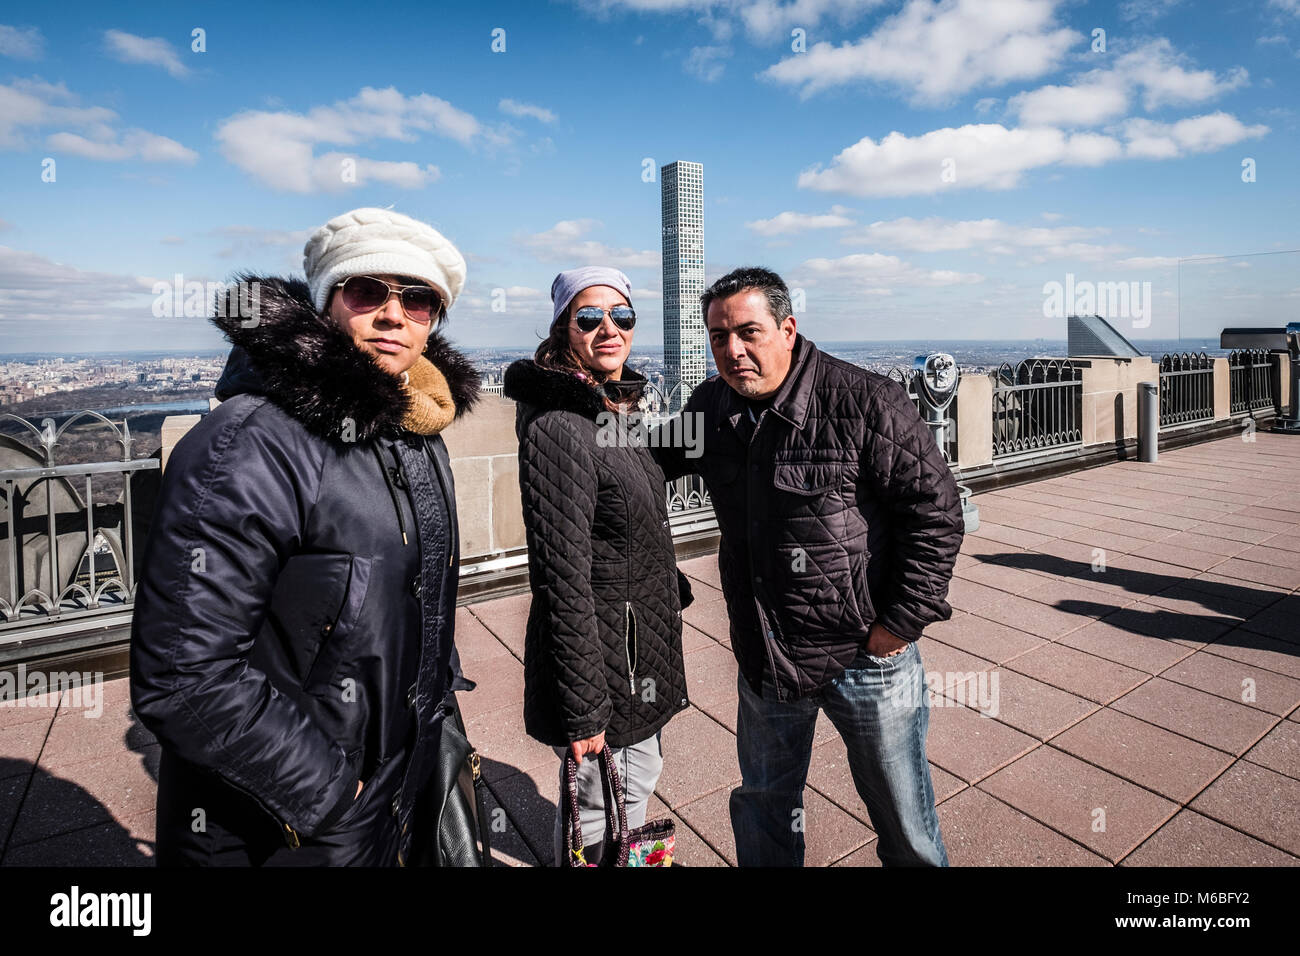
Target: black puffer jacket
(293,629)
(604,644)
(839,511)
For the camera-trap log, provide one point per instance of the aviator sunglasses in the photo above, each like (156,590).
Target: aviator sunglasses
(366,293)
(589,317)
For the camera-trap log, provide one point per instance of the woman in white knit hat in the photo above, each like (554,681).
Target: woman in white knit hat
(292,643)
(603,668)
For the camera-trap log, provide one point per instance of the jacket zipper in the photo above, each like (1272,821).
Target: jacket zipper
(764,623)
(629,630)
(629,617)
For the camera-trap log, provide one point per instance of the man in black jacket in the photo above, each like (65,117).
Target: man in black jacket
(840,523)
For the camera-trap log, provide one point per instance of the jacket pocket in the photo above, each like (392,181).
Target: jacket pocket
(339,636)
(309,599)
(859,561)
(816,594)
(807,478)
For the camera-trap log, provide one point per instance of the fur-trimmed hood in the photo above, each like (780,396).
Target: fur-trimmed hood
(312,369)
(547,388)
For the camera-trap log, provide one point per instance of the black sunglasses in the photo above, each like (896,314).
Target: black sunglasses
(589,317)
(366,293)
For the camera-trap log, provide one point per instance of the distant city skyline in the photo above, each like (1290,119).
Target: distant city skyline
(911,167)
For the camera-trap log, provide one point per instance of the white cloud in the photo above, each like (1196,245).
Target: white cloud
(987,156)
(789,223)
(152,51)
(132,144)
(35,287)
(937,51)
(1147,262)
(1288,6)
(515,108)
(1146,10)
(278,149)
(1196,134)
(1053,216)
(1154,70)
(33,104)
(705,62)
(251,242)
(764,20)
(992,236)
(990,156)
(877,274)
(21,43)
(1085,104)
(1164,80)
(566,242)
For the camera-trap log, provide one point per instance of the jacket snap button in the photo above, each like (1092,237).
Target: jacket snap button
(807,484)
(758,579)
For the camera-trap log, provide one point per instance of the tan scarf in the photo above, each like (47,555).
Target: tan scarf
(432,408)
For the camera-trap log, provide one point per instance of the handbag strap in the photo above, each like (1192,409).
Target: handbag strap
(615,812)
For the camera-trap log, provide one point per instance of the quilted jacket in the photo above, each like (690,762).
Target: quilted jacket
(603,650)
(839,511)
(293,627)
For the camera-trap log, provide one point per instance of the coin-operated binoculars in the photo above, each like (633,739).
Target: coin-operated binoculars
(936,376)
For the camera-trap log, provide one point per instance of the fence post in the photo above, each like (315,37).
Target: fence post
(1148,402)
(975,413)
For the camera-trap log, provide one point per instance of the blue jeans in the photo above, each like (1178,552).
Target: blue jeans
(880,707)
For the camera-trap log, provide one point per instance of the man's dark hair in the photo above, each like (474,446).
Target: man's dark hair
(744,279)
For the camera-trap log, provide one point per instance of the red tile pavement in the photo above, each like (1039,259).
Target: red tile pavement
(1117,690)
(1105,813)
(1258,801)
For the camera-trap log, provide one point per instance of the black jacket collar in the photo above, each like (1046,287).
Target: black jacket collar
(311,368)
(546,388)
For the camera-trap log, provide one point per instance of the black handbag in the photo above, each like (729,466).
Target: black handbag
(453,829)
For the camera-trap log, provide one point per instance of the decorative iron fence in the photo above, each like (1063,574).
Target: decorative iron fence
(688,494)
(1186,388)
(1037,405)
(62,557)
(1250,381)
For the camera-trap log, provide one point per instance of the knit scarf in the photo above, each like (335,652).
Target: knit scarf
(432,408)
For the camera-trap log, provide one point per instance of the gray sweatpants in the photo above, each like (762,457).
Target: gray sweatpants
(638,768)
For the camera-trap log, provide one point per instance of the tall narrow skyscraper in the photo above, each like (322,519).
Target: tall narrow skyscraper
(682,197)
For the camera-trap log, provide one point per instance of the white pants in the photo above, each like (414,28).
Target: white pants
(638,768)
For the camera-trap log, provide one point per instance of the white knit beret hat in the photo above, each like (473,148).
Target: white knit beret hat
(377,242)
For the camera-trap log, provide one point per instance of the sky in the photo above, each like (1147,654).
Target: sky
(912,168)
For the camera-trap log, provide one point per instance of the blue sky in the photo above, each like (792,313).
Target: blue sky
(918,169)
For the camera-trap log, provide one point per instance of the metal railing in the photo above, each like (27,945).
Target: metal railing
(62,557)
(1250,381)
(1186,388)
(1037,406)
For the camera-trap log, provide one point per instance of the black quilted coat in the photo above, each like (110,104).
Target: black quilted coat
(838,511)
(293,627)
(604,644)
